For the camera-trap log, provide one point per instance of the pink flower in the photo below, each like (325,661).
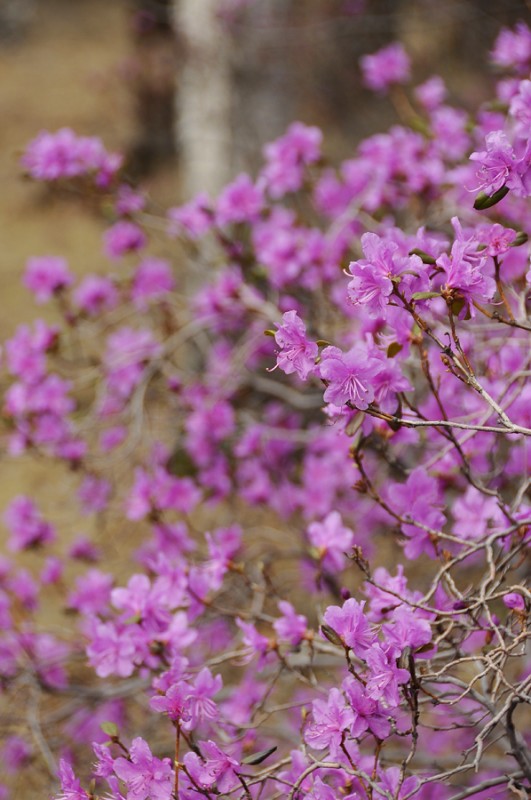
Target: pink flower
(297,353)
(71,788)
(240,201)
(145,775)
(26,525)
(152,281)
(349,376)
(329,721)
(95,294)
(46,276)
(194,219)
(384,676)
(351,625)
(287,156)
(332,540)
(291,627)
(389,65)
(213,768)
(514,600)
(123,237)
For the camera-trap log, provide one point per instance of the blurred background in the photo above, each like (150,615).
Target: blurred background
(191,90)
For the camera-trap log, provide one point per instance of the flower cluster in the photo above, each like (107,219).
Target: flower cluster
(228,623)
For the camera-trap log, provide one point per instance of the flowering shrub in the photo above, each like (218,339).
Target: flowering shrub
(366,637)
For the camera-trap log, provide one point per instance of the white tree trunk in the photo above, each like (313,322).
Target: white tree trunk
(203,97)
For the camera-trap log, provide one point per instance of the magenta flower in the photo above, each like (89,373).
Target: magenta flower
(240,201)
(390,784)
(384,676)
(514,600)
(368,714)
(351,625)
(152,281)
(499,166)
(194,219)
(290,627)
(47,276)
(200,705)
(26,525)
(332,540)
(213,768)
(329,721)
(297,353)
(287,157)
(71,788)
(123,237)
(145,775)
(95,294)
(349,376)
(389,65)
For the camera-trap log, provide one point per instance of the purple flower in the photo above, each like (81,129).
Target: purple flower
(513,48)
(240,201)
(53,156)
(123,237)
(499,166)
(389,65)
(145,775)
(27,527)
(193,219)
(152,281)
(368,714)
(351,625)
(16,753)
(291,627)
(213,768)
(46,276)
(297,353)
(464,270)
(71,788)
(287,156)
(332,540)
(329,721)
(418,499)
(514,600)
(95,294)
(349,376)
(112,651)
(384,676)
(391,786)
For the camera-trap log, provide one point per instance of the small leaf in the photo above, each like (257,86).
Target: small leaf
(322,343)
(110,729)
(484,201)
(257,758)
(424,295)
(269,332)
(425,257)
(521,238)
(457,306)
(330,634)
(393,349)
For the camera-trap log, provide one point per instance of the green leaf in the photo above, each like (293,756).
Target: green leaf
(257,758)
(269,332)
(393,349)
(425,257)
(457,306)
(110,729)
(521,238)
(484,201)
(330,634)
(424,295)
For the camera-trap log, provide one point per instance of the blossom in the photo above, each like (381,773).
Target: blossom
(153,280)
(145,775)
(389,65)
(351,625)
(193,219)
(291,627)
(26,525)
(297,353)
(64,154)
(330,719)
(514,600)
(499,166)
(214,767)
(71,788)
(368,713)
(348,375)
(384,676)
(332,540)
(287,157)
(46,276)
(95,294)
(240,201)
(123,237)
